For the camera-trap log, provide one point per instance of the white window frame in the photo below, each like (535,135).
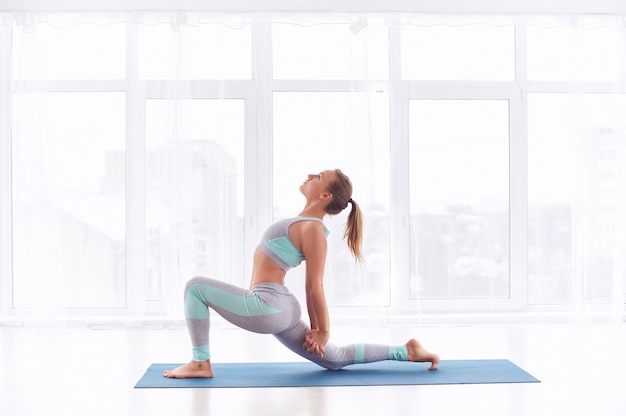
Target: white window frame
(257,94)
(6,252)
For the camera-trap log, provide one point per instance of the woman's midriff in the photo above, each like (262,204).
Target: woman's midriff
(264,270)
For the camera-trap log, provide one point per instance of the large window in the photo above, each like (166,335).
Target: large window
(576,159)
(203,51)
(194,193)
(68,51)
(488,155)
(449,52)
(68,193)
(459,184)
(331,50)
(576,206)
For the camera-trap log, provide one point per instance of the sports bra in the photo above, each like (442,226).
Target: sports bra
(277,245)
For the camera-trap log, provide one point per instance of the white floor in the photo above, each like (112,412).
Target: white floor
(86,371)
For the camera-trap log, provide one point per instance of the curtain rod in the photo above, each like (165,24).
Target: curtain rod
(364,6)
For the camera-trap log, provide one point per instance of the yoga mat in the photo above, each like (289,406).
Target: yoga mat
(306,374)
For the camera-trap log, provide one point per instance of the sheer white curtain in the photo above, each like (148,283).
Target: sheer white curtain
(577,149)
(127,160)
(140,149)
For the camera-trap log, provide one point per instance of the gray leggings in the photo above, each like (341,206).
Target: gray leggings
(268,308)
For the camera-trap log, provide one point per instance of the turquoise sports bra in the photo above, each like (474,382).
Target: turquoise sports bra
(277,245)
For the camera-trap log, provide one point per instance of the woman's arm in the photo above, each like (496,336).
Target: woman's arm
(314,247)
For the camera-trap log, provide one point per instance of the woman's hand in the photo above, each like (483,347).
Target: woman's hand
(315,341)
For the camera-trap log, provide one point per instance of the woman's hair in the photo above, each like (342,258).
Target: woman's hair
(341,189)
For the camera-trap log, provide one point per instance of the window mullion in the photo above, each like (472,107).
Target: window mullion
(258,141)
(135,180)
(518,177)
(399,179)
(5,172)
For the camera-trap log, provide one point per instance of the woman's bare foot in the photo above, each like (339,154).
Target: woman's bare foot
(419,354)
(193,369)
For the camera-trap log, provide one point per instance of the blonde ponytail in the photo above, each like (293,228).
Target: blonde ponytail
(341,190)
(353,233)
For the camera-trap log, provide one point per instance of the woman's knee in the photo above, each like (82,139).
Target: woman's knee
(194,280)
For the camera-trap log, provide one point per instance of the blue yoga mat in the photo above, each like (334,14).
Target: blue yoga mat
(305,374)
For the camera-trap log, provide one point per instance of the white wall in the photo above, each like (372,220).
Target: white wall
(426,6)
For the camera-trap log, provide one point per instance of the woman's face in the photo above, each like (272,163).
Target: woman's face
(317,183)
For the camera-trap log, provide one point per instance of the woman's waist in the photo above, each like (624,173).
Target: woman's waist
(264,270)
(266,275)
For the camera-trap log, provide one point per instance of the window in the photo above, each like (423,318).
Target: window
(459,198)
(331,51)
(568,53)
(468,52)
(203,51)
(194,193)
(142,149)
(575,206)
(69,52)
(68,208)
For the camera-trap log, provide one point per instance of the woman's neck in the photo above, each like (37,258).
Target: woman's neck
(313,211)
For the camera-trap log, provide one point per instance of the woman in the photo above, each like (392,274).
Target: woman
(268,307)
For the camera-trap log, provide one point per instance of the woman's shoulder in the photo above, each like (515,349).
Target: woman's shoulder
(311,225)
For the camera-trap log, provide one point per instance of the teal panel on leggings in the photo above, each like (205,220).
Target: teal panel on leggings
(399,353)
(242,305)
(359,353)
(201,353)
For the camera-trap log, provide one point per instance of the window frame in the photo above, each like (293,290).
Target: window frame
(257,94)
(417,90)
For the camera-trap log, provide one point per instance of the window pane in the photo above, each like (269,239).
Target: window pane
(576,176)
(79,52)
(69,237)
(206,51)
(349,131)
(331,51)
(459,196)
(471,52)
(194,193)
(574,54)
